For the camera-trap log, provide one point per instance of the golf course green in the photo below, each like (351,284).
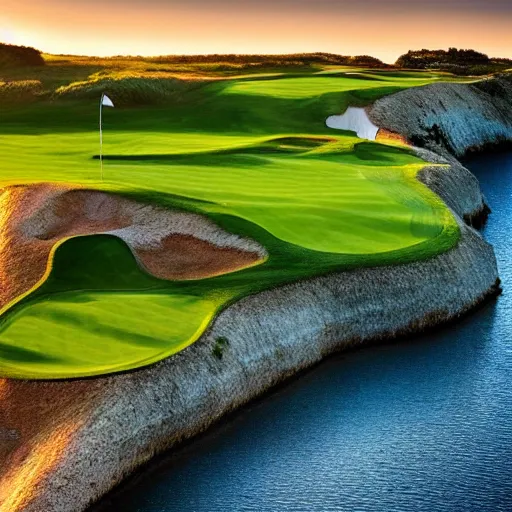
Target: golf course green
(251,153)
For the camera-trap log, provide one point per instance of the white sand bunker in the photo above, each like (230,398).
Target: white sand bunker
(354,120)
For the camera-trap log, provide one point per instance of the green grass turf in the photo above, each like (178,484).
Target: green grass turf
(309,87)
(253,155)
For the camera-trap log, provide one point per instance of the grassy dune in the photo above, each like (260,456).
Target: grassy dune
(254,155)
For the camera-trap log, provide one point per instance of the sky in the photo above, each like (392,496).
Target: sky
(382,28)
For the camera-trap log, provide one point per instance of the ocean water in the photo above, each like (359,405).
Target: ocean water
(420,425)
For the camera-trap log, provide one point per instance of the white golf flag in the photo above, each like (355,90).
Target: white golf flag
(106,101)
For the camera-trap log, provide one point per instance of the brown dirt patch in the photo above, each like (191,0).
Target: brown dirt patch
(384,135)
(186,257)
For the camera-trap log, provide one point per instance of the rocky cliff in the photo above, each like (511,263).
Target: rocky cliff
(450,119)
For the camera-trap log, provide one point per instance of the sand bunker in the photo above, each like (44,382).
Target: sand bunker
(169,244)
(354,120)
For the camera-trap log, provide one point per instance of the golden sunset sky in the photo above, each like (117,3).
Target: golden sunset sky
(382,28)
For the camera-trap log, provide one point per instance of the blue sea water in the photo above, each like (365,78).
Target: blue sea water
(421,425)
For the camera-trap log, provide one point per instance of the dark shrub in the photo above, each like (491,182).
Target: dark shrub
(422,59)
(367,61)
(12,56)
(220,344)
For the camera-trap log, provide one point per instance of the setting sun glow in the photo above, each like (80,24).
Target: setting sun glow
(384,29)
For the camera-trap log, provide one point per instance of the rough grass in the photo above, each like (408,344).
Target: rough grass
(128,90)
(20,91)
(261,165)
(75,75)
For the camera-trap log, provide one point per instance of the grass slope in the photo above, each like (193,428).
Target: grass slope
(252,154)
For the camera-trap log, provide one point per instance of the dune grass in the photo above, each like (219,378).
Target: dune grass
(253,155)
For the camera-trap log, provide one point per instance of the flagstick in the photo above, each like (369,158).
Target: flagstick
(101,137)
(104,100)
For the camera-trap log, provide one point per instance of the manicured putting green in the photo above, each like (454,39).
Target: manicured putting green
(337,208)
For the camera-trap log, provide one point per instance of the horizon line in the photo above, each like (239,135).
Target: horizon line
(245,54)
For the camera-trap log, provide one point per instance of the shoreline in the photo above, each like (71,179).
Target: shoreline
(273,336)
(231,417)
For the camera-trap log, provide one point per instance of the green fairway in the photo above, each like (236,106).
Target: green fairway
(309,87)
(254,156)
(88,332)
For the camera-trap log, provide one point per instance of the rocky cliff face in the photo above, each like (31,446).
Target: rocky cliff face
(81,447)
(450,119)
(455,185)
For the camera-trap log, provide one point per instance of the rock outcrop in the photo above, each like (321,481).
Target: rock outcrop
(450,119)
